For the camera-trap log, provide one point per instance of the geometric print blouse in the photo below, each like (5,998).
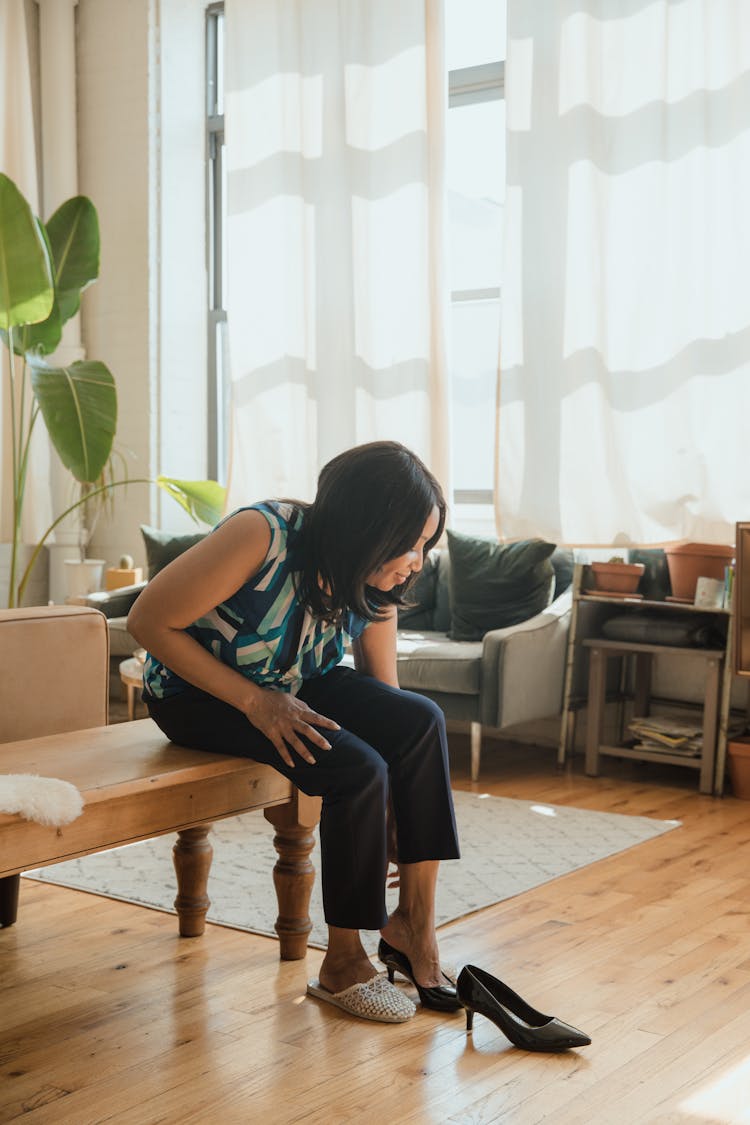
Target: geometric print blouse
(262,630)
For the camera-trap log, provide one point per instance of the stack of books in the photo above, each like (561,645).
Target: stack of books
(674,736)
(667,736)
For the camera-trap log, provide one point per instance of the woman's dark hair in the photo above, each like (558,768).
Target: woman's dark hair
(371,506)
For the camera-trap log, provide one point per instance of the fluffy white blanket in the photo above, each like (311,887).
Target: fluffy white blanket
(47,800)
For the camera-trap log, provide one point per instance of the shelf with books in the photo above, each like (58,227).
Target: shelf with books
(613,644)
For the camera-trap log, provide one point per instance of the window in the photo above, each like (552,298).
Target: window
(475,178)
(218,366)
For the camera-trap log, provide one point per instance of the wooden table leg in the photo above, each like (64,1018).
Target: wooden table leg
(294,874)
(9,888)
(192,855)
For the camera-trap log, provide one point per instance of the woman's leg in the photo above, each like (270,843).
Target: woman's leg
(345,962)
(387,735)
(352,780)
(408,730)
(411,926)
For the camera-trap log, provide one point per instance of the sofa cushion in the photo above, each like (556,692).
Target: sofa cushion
(432,662)
(494,585)
(120,641)
(441,621)
(164,546)
(422,594)
(563,563)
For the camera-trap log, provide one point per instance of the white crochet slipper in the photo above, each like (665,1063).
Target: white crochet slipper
(374,999)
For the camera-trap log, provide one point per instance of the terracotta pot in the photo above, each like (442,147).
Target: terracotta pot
(688,562)
(739,767)
(616,577)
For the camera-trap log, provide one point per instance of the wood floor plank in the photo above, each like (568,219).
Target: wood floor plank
(107,1016)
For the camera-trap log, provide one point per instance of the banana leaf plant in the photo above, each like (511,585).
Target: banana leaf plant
(44,268)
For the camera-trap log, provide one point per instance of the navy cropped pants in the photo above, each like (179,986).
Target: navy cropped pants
(390,741)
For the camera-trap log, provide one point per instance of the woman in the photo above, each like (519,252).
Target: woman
(245,634)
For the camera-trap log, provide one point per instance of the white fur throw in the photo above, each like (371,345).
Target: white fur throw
(47,800)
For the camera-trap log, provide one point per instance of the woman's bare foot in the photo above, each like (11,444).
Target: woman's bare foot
(336,975)
(420,947)
(345,962)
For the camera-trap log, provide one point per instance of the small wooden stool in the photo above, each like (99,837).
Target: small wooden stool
(131,674)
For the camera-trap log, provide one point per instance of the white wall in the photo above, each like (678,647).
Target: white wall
(141,160)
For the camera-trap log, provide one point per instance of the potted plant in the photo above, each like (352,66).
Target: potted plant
(43,270)
(616,576)
(688,562)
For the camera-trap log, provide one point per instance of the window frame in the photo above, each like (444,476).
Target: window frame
(467,86)
(216,413)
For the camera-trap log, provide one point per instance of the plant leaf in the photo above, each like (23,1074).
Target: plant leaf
(41,338)
(26,286)
(73,233)
(79,405)
(202,499)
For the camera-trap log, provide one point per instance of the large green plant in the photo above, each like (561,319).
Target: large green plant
(43,271)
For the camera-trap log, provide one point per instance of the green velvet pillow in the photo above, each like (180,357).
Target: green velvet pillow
(494,585)
(164,546)
(421,597)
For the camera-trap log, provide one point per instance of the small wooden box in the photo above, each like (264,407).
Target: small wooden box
(739,766)
(117,576)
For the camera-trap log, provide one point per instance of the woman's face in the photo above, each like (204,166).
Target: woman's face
(396,571)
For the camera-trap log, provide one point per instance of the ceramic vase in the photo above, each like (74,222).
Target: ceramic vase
(83,577)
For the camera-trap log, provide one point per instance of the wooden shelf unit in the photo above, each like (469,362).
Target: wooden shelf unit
(589,612)
(742,601)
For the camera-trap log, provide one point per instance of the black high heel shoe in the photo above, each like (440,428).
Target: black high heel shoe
(441,997)
(480,992)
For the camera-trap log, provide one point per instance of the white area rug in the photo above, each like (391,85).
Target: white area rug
(507,847)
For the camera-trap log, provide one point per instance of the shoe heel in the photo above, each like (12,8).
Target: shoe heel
(469,1021)
(391,973)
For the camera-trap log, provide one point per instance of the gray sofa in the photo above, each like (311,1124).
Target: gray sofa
(509,678)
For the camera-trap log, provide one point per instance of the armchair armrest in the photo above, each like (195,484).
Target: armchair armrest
(113,603)
(523,667)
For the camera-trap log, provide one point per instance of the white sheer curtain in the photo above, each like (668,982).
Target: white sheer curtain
(624,394)
(18,160)
(334,120)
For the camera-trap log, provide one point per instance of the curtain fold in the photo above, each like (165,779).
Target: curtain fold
(18,160)
(334,124)
(624,387)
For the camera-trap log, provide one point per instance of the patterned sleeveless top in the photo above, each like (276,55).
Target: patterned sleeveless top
(262,630)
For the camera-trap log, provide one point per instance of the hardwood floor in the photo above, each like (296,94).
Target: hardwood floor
(107,1016)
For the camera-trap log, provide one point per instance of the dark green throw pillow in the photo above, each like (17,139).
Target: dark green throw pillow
(494,585)
(421,596)
(164,546)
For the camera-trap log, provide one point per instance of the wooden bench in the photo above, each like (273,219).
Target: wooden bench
(135,783)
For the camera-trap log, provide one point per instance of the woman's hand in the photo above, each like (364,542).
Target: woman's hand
(283,718)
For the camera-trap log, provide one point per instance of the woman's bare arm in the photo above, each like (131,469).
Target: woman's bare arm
(375,649)
(191,586)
